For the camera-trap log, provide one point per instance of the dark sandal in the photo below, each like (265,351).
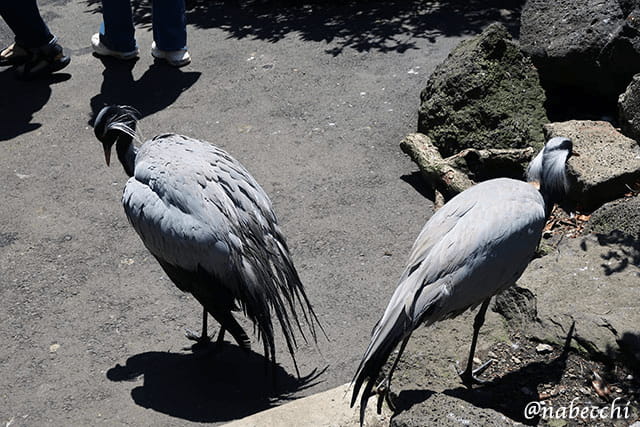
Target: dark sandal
(44,60)
(14,55)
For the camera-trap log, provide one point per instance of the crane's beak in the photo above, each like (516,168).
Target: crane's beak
(107,155)
(575,154)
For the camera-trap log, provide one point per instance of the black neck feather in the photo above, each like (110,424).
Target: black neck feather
(126,153)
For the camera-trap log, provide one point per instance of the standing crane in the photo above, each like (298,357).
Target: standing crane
(475,246)
(212,229)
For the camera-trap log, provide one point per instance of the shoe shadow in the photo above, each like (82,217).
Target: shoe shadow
(159,87)
(22,99)
(209,386)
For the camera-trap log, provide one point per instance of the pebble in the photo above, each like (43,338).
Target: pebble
(54,347)
(544,348)
(515,359)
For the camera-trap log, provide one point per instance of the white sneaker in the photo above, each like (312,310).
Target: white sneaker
(177,58)
(102,50)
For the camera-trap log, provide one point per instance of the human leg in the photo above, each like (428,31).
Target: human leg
(117,32)
(170,32)
(169,24)
(36,51)
(23,17)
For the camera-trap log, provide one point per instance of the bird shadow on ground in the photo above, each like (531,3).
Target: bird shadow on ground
(22,99)
(508,394)
(210,385)
(159,87)
(363,25)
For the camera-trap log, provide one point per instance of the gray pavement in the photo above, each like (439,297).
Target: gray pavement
(313,98)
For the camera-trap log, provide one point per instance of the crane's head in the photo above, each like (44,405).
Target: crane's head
(115,123)
(549,168)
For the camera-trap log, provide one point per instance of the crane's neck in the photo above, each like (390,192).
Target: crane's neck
(127,154)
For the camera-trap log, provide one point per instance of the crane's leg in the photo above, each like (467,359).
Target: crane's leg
(203,339)
(220,338)
(469,375)
(383,389)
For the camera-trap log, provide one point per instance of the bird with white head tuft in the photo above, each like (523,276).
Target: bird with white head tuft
(475,246)
(212,229)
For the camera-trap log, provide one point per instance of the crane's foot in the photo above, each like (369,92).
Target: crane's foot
(383,390)
(469,377)
(202,340)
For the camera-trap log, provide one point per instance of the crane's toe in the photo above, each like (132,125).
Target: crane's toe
(202,341)
(383,390)
(469,376)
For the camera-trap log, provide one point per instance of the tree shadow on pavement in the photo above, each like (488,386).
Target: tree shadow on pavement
(20,100)
(363,25)
(210,385)
(159,87)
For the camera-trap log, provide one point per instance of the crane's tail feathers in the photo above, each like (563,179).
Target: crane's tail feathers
(384,339)
(276,288)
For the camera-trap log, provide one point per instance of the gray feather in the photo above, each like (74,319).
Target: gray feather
(197,209)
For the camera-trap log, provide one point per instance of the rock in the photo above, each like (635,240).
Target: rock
(516,303)
(444,410)
(565,39)
(544,348)
(621,56)
(607,164)
(486,94)
(621,215)
(594,282)
(627,6)
(329,408)
(629,109)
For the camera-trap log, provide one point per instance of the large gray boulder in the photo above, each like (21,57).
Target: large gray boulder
(627,6)
(589,45)
(629,109)
(608,162)
(486,94)
(621,55)
(620,215)
(593,281)
(566,37)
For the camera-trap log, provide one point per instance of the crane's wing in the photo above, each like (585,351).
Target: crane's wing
(195,207)
(476,245)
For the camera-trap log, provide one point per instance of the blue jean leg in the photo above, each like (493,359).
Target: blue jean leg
(117,31)
(169,24)
(24,19)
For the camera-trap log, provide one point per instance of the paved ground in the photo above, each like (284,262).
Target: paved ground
(312,97)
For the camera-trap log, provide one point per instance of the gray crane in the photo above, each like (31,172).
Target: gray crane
(212,229)
(475,246)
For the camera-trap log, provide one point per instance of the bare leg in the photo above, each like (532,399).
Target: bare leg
(469,375)
(203,338)
(220,338)
(383,389)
